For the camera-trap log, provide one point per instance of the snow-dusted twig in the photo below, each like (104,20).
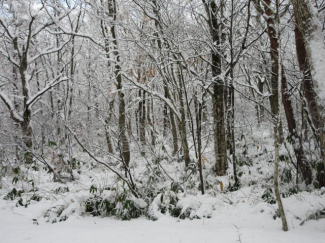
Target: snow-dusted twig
(46,88)
(14,114)
(167,101)
(103,163)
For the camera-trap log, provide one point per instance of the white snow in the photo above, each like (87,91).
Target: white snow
(250,221)
(216,216)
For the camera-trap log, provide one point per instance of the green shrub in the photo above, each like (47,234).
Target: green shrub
(268,196)
(122,205)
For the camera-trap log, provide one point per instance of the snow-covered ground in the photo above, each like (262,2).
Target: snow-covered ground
(248,219)
(219,216)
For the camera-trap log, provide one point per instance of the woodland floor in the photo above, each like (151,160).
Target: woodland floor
(247,220)
(242,216)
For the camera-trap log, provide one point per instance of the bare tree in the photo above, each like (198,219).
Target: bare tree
(24,23)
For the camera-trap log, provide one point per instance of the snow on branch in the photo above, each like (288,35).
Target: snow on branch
(7,55)
(252,86)
(49,50)
(52,21)
(14,114)
(167,101)
(46,88)
(77,34)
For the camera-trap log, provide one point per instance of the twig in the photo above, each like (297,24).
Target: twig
(103,163)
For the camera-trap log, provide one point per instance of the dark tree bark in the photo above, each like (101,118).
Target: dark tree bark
(109,142)
(198,111)
(272,19)
(286,101)
(142,117)
(302,163)
(311,32)
(27,115)
(220,142)
(174,132)
(310,95)
(151,121)
(182,122)
(308,86)
(124,147)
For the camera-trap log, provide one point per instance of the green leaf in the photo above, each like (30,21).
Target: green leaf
(27,154)
(20,201)
(320,167)
(283,158)
(16,170)
(35,168)
(93,189)
(52,143)
(15,180)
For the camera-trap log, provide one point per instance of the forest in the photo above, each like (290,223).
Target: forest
(175,113)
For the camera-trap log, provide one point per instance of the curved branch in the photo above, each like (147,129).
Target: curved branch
(14,114)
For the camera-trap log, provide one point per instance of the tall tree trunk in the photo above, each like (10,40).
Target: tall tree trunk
(220,142)
(311,32)
(124,146)
(198,111)
(109,142)
(71,82)
(174,132)
(25,120)
(108,137)
(27,136)
(165,112)
(277,143)
(308,86)
(182,122)
(173,124)
(278,72)
(151,121)
(277,138)
(72,66)
(142,117)
(274,48)
(231,119)
(273,25)
(260,86)
(27,114)
(295,138)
